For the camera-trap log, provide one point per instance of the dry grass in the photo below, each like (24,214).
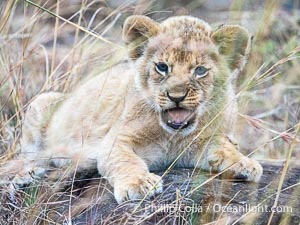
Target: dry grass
(50,45)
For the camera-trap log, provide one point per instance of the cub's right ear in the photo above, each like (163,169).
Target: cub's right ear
(136,32)
(234,43)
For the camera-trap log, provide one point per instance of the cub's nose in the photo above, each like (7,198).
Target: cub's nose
(176,98)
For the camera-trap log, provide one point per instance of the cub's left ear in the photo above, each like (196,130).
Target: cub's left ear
(234,43)
(136,32)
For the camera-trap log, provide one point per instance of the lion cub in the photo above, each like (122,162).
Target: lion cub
(173,102)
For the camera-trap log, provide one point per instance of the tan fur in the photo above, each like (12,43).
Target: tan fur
(116,122)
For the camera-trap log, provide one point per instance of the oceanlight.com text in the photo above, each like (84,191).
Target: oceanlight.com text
(218,208)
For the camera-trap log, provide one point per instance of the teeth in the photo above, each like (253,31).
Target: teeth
(173,122)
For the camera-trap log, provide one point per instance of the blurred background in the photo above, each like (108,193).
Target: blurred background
(52,45)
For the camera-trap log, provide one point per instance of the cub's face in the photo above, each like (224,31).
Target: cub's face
(182,65)
(179,78)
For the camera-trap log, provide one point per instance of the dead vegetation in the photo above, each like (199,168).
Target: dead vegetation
(53,45)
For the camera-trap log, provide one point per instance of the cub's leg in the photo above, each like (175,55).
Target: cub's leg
(36,121)
(28,164)
(225,157)
(125,170)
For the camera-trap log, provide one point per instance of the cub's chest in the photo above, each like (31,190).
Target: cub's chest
(160,154)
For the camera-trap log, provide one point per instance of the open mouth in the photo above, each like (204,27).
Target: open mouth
(178,118)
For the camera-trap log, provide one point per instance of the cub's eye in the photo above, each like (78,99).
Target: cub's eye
(162,68)
(201,71)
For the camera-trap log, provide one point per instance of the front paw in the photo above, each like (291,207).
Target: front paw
(240,167)
(137,186)
(246,169)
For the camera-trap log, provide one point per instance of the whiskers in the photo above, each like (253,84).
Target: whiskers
(164,102)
